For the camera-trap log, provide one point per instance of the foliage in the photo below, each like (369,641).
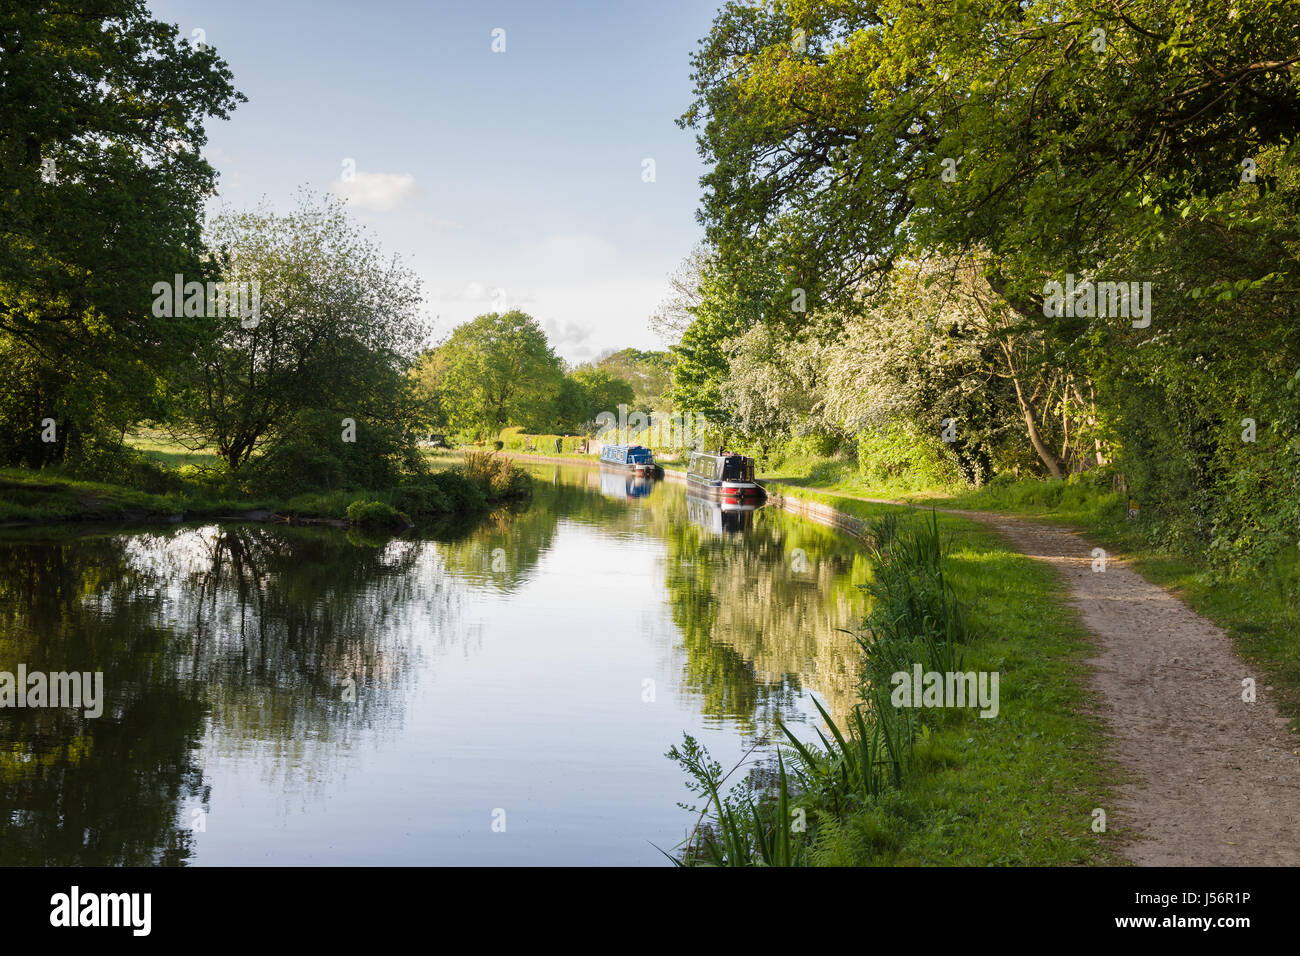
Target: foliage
(497,475)
(597,390)
(375,514)
(918,173)
(336,323)
(648,374)
(102,185)
(494,371)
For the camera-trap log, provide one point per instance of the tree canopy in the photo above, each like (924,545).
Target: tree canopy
(102,184)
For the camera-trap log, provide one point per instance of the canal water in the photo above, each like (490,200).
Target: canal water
(499,693)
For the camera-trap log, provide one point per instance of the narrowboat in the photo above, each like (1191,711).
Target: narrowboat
(635,458)
(724,475)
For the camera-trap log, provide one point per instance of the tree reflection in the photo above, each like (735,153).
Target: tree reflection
(293,644)
(294,640)
(104,791)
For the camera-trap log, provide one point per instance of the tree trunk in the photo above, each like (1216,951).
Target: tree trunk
(1030,414)
(1031,425)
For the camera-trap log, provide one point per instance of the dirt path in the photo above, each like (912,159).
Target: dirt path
(1217,780)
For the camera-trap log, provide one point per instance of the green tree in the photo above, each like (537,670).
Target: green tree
(101,192)
(843,135)
(499,371)
(602,391)
(336,327)
(649,373)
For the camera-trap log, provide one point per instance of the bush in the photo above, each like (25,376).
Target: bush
(461,494)
(309,454)
(513,438)
(376,514)
(422,501)
(897,456)
(498,476)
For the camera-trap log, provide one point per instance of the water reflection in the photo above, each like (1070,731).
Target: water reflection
(332,698)
(624,484)
(719,518)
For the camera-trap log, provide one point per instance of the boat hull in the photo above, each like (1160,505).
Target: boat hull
(649,471)
(726,491)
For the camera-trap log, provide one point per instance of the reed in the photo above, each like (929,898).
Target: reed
(915,617)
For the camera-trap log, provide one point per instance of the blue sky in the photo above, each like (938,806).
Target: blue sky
(519,171)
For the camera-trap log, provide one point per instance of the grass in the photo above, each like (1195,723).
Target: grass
(167,451)
(1015,789)
(28,496)
(841,474)
(50,496)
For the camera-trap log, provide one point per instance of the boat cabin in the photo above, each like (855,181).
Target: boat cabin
(719,468)
(626,455)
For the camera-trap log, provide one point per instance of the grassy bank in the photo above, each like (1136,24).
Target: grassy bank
(455,485)
(1018,788)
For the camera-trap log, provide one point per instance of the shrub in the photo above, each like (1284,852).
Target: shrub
(376,514)
(898,456)
(422,501)
(498,476)
(461,494)
(308,454)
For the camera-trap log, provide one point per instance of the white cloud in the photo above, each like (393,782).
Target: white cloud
(566,336)
(377,191)
(495,295)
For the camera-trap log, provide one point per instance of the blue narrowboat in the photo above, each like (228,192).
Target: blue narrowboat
(635,458)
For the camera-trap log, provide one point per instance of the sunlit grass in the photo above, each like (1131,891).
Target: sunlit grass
(168,451)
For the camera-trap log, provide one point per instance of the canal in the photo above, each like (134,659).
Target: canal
(499,693)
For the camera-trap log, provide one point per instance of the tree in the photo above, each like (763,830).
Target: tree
(648,373)
(499,370)
(601,391)
(731,301)
(845,135)
(337,324)
(101,191)
(426,382)
(675,313)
